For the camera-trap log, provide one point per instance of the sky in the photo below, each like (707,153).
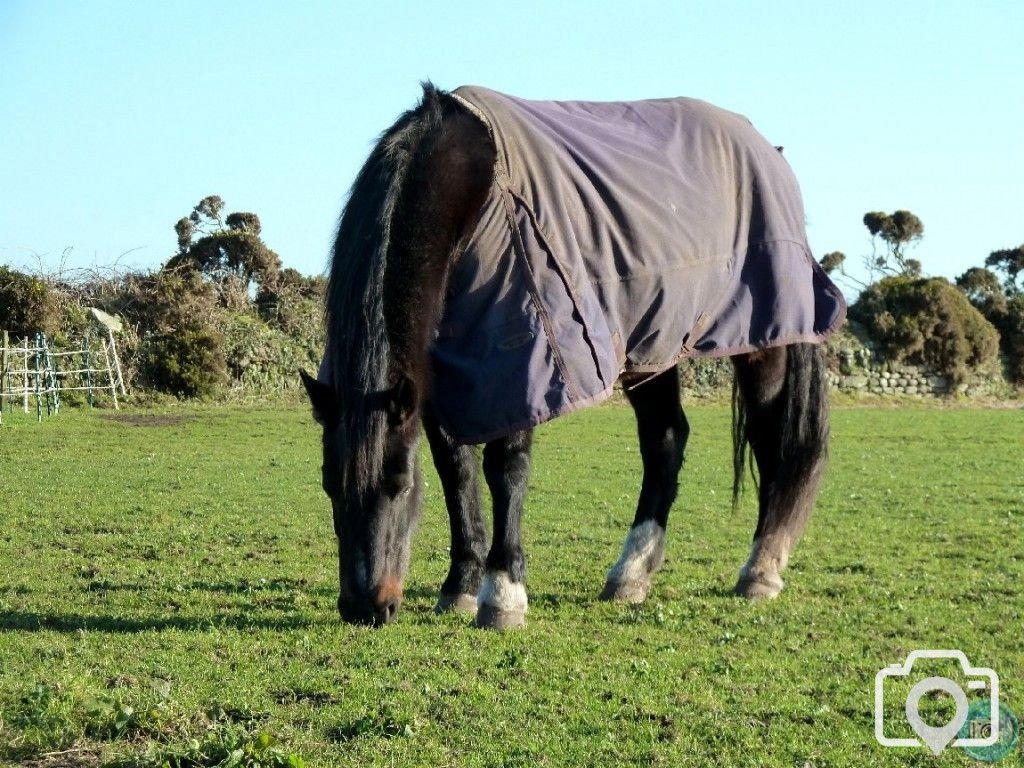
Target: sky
(117,117)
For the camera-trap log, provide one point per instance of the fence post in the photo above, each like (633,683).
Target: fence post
(24,377)
(4,340)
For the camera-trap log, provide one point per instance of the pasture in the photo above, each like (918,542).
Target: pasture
(168,585)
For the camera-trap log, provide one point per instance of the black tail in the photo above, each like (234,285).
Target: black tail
(740,444)
(799,411)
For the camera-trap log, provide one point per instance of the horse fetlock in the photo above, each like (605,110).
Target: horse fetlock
(501,603)
(759,586)
(463,602)
(761,576)
(627,591)
(629,580)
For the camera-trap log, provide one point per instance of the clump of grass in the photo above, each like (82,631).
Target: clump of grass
(43,719)
(222,746)
(381,724)
(109,718)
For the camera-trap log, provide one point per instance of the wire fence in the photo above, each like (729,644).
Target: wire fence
(32,374)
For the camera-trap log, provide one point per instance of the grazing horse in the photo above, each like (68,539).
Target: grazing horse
(500,262)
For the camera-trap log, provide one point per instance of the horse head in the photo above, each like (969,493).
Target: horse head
(376,503)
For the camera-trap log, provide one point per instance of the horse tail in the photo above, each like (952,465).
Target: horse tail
(740,443)
(803,420)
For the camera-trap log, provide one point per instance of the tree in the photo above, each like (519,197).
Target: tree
(926,321)
(1010,262)
(984,290)
(830,262)
(229,251)
(183,350)
(898,231)
(1002,304)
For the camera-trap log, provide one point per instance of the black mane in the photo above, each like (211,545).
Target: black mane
(357,344)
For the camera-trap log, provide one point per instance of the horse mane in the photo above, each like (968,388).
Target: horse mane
(357,342)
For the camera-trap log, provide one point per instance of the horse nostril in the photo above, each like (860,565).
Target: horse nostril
(386,612)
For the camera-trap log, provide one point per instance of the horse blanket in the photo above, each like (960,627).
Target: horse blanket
(618,237)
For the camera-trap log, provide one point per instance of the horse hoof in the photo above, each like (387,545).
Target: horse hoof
(460,603)
(763,588)
(626,591)
(489,617)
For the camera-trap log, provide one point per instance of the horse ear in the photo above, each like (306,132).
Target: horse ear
(402,401)
(323,398)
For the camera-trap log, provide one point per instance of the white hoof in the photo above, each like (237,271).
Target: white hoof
(501,603)
(629,580)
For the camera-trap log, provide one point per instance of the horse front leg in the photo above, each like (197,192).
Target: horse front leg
(663,432)
(785,403)
(502,600)
(457,468)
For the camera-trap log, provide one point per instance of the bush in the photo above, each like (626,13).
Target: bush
(926,321)
(264,358)
(183,350)
(187,363)
(1012,329)
(1006,313)
(295,305)
(706,376)
(1008,318)
(27,305)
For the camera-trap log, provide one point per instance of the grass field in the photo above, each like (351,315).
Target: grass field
(167,589)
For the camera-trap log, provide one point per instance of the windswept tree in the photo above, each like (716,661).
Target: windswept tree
(1001,302)
(830,262)
(898,231)
(228,250)
(1009,261)
(984,290)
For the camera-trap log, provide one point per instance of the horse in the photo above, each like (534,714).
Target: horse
(464,272)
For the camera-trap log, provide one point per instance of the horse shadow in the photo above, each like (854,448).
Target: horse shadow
(68,622)
(237,617)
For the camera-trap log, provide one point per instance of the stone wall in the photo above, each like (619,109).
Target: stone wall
(854,368)
(892,380)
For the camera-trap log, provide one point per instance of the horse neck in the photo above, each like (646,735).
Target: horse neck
(440,205)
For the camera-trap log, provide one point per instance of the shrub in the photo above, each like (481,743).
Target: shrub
(706,376)
(188,363)
(27,305)
(295,305)
(926,321)
(183,350)
(262,357)
(1012,330)
(1006,313)
(1007,316)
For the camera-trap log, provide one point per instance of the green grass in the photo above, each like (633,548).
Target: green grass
(167,596)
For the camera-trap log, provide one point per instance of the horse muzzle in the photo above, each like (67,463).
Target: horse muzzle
(377,608)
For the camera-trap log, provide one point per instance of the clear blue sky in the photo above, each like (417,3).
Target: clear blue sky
(117,117)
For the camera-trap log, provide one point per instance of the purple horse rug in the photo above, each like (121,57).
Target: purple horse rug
(618,237)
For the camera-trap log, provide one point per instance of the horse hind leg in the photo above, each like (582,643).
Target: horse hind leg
(663,431)
(783,401)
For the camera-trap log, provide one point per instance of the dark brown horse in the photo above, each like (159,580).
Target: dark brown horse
(411,214)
